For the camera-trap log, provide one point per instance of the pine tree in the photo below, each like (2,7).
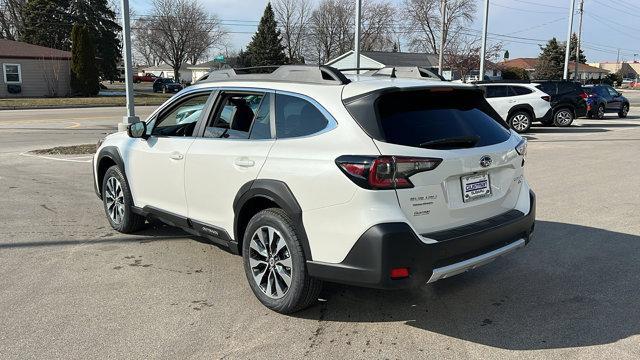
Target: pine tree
(84,77)
(266,46)
(47,23)
(572,50)
(551,61)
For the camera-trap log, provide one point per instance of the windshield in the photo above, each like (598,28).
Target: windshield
(432,119)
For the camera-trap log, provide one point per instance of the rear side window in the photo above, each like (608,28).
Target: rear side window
(498,91)
(521,90)
(565,87)
(421,118)
(549,88)
(297,117)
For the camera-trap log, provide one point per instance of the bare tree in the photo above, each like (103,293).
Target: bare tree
(293,17)
(425,22)
(11,18)
(377,26)
(179,31)
(331,29)
(142,33)
(463,56)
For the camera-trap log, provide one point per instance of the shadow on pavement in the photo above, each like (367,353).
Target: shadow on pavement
(573,286)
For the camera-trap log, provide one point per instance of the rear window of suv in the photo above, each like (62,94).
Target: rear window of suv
(425,118)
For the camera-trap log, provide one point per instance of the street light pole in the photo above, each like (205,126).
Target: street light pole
(356,44)
(483,49)
(567,50)
(443,35)
(128,68)
(575,77)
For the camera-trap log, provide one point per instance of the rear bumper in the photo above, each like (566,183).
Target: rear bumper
(395,245)
(548,116)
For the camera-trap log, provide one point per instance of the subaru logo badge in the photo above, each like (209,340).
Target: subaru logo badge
(485,161)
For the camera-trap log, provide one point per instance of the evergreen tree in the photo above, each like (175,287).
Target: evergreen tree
(242,60)
(84,77)
(47,23)
(572,50)
(551,61)
(266,46)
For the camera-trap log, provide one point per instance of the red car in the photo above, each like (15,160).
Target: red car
(144,78)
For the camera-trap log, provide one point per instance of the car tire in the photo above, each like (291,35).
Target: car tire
(275,265)
(563,117)
(624,111)
(118,202)
(520,121)
(599,112)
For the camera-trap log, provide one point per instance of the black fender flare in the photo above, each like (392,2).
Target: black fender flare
(111,153)
(522,107)
(275,191)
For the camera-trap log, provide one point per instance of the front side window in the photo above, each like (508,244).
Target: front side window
(297,117)
(612,91)
(12,73)
(241,116)
(182,119)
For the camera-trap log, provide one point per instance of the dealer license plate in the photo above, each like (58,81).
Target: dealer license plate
(475,186)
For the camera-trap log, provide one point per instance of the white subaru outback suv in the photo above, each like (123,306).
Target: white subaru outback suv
(519,104)
(310,176)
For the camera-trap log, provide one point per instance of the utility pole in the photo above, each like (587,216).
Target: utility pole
(443,35)
(356,44)
(568,50)
(131,117)
(483,49)
(618,61)
(575,77)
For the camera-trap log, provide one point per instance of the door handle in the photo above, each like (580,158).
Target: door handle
(176,155)
(245,162)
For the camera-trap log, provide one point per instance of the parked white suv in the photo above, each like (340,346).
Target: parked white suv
(519,104)
(310,176)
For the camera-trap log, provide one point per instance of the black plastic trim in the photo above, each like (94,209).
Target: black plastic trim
(112,153)
(277,192)
(385,246)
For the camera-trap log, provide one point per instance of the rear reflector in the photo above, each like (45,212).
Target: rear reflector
(546,98)
(399,273)
(384,172)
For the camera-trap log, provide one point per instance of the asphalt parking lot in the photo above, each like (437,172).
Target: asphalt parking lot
(73,288)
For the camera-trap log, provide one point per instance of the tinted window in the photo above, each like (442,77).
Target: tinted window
(181,120)
(521,90)
(566,87)
(612,91)
(416,117)
(235,114)
(297,117)
(497,91)
(548,87)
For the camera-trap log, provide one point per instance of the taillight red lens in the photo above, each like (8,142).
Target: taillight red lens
(399,273)
(384,172)
(546,98)
(584,95)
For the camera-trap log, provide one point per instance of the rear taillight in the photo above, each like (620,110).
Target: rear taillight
(546,98)
(384,172)
(584,95)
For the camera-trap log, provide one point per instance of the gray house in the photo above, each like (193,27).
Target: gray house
(33,71)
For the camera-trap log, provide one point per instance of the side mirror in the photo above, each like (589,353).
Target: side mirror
(137,130)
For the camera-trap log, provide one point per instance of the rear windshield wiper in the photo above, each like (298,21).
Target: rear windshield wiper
(452,142)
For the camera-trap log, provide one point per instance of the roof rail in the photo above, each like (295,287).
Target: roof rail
(514,81)
(294,73)
(411,72)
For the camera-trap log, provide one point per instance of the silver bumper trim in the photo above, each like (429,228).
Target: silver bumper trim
(469,264)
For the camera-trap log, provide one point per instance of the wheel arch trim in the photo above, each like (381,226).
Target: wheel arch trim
(111,153)
(277,192)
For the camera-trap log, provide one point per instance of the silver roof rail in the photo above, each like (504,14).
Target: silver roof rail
(312,74)
(410,72)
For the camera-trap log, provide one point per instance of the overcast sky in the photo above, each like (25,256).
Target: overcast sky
(519,24)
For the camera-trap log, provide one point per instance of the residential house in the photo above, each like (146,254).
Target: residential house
(165,70)
(627,70)
(585,72)
(33,71)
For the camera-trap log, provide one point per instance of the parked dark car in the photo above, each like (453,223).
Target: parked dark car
(568,101)
(603,99)
(166,85)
